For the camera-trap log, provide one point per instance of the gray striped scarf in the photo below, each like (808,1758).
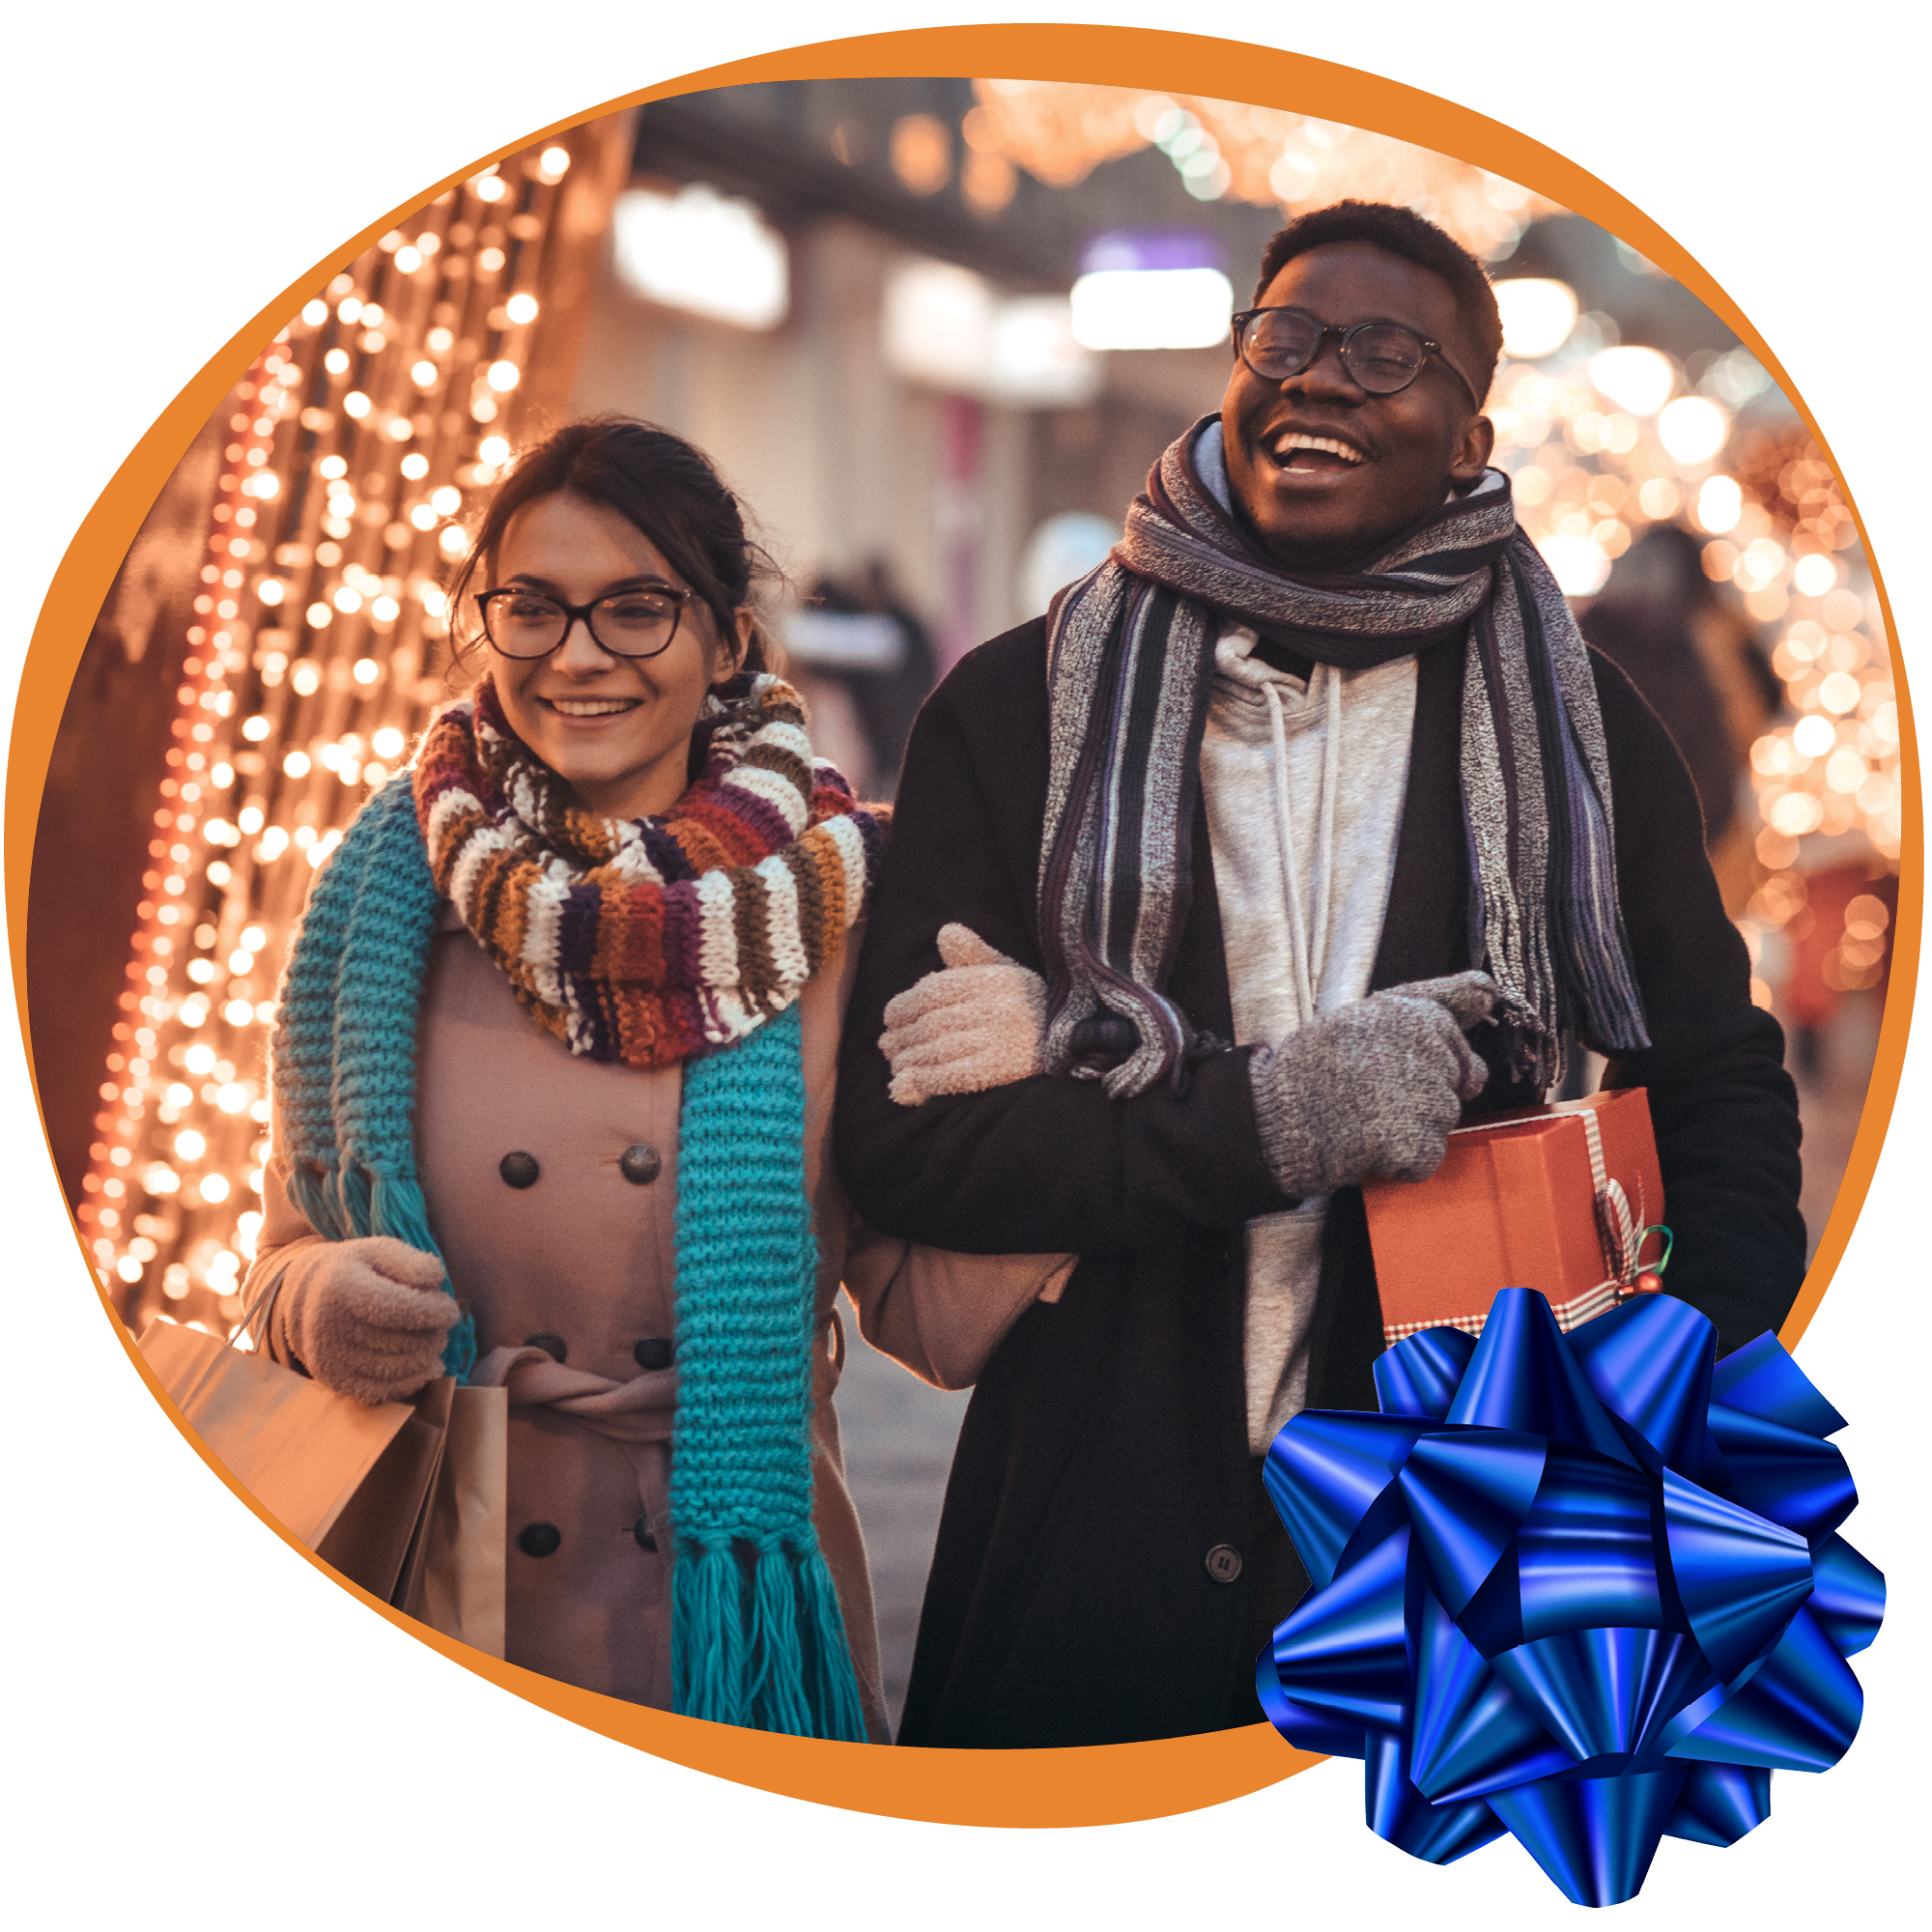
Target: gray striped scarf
(1130,659)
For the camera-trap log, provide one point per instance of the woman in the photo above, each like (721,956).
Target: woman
(553,1073)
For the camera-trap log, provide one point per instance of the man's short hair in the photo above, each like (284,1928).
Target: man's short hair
(1400,231)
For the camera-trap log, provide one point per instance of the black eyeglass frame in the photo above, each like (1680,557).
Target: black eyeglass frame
(573,612)
(1238,325)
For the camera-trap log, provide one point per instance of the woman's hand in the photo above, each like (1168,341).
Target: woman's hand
(368,1318)
(975,1024)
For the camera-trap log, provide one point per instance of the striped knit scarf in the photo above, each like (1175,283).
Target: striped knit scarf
(648,940)
(757,1637)
(1130,660)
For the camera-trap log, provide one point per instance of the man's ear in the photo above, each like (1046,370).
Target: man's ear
(1472,449)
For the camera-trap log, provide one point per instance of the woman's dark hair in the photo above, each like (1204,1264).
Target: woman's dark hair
(1400,231)
(658,482)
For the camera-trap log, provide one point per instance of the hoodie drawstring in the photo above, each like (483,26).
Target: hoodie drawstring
(1307,960)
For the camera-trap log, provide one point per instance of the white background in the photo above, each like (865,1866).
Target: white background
(205,1731)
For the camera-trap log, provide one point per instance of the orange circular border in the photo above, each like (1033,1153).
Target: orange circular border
(1088,1786)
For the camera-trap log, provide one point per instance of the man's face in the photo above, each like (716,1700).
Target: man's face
(1313,509)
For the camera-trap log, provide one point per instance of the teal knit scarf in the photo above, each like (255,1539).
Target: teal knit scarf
(757,1639)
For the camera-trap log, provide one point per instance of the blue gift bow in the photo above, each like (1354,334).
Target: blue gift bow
(1583,1588)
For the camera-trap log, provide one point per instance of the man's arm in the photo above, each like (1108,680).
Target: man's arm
(1724,1110)
(1045,1164)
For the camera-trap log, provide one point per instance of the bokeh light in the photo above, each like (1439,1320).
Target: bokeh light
(1635,379)
(1693,429)
(1538,314)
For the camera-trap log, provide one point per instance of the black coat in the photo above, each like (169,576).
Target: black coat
(1105,1453)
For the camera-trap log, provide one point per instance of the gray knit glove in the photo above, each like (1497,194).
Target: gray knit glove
(1371,1089)
(366,1318)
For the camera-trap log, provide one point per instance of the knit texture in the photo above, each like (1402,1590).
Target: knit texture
(1130,659)
(756,1635)
(756,1632)
(648,940)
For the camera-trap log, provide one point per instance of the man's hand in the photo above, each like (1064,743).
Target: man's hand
(1371,1091)
(975,1024)
(368,1318)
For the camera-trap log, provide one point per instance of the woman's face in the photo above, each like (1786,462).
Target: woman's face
(618,729)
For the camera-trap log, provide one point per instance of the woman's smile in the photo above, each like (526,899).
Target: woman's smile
(590,707)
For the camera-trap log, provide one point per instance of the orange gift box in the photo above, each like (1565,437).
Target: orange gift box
(1553,1197)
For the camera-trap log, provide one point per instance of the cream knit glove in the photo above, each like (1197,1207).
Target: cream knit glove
(366,1318)
(1371,1089)
(972,1025)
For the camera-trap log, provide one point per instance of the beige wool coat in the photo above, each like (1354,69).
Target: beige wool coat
(571,1279)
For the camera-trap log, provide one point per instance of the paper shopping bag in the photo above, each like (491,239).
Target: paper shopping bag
(349,1480)
(455,1578)
(298,1449)
(371,1540)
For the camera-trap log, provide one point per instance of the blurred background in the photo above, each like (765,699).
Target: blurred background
(935,331)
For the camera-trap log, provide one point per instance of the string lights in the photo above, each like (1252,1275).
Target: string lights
(1226,150)
(358,440)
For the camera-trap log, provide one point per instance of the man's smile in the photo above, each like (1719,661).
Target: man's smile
(1298,450)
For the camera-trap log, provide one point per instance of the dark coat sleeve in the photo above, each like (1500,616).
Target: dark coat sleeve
(1044,1165)
(1724,1111)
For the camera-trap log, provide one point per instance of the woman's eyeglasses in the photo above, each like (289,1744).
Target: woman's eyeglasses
(1382,358)
(638,623)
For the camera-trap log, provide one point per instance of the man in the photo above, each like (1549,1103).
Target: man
(1319,742)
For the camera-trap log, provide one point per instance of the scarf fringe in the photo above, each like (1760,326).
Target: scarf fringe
(835,1689)
(708,1656)
(759,1642)
(779,1701)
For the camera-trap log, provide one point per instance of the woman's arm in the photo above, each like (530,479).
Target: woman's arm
(941,1314)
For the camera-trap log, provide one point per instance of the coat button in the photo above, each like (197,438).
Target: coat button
(641,1164)
(641,1530)
(1224,1562)
(539,1539)
(519,1169)
(552,1346)
(653,1353)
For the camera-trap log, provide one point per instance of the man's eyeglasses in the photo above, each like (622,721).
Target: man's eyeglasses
(1382,358)
(638,623)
